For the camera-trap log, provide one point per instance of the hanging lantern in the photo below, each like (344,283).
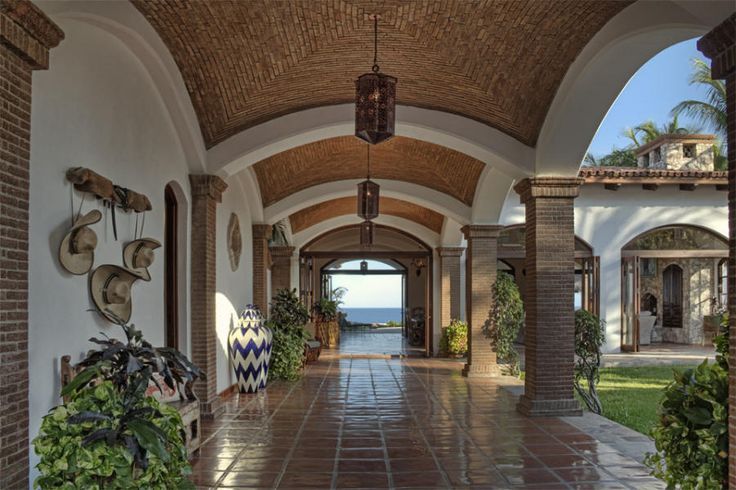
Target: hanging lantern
(363,266)
(366,233)
(375,100)
(368,198)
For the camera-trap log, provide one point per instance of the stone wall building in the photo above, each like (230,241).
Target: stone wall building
(678,152)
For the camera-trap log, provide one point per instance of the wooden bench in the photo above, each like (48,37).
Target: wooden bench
(181,398)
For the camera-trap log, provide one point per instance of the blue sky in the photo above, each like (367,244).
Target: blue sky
(650,94)
(369,291)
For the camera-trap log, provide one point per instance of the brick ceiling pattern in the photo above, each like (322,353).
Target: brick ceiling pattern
(301,220)
(345,157)
(497,61)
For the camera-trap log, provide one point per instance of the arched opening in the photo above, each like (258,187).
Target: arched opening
(394,253)
(175,268)
(672,285)
(171,262)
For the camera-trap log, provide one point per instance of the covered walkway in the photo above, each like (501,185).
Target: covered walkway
(409,423)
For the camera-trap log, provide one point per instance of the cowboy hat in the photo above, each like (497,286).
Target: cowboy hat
(77,249)
(109,286)
(138,256)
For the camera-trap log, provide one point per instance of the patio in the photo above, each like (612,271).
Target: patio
(401,423)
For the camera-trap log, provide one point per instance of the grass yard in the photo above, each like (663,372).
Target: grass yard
(631,395)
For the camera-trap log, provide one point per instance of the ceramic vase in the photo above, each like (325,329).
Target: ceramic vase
(248,350)
(267,360)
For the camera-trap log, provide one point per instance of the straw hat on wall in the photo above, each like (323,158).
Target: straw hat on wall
(138,256)
(109,287)
(77,249)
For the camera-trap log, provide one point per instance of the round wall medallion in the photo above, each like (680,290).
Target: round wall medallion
(234,241)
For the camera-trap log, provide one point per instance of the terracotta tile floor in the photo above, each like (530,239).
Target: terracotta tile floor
(390,423)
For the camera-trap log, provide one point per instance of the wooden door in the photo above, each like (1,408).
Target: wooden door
(630,304)
(171,262)
(672,297)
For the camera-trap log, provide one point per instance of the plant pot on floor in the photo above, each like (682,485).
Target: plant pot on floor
(250,346)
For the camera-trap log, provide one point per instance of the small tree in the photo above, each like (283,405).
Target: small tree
(589,338)
(505,320)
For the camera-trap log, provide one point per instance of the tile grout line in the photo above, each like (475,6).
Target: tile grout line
(420,430)
(297,436)
(335,465)
(387,461)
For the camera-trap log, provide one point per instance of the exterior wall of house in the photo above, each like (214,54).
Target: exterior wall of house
(97,107)
(671,155)
(607,220)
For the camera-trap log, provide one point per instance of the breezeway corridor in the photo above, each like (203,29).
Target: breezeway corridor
(390,423)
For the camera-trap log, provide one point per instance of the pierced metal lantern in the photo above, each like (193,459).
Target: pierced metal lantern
(368,199)
(375,100)
(375,107)
(366,233)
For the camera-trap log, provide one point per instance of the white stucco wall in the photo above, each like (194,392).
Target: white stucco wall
(607,220)
(97,107)
(234,288)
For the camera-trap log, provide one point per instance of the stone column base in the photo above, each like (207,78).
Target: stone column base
(549,408)
(484,370)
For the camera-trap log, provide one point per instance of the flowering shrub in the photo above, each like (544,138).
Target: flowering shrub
(454,339)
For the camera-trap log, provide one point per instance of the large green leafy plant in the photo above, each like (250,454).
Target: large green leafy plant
(288,317)
(691,436)
(505,321)
(589,338)
(111,435)
(454,339)
(325,310)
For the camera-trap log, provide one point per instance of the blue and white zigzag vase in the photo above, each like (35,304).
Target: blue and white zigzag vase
(248,344)
(267,361)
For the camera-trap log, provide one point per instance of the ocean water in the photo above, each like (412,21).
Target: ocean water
(372,315)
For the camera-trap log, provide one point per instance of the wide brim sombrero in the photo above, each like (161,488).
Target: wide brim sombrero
(78,263)
(105,284)
(134,248)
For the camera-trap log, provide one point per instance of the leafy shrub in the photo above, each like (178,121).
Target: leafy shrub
(589,338)
(112,435)
(454,339)
(288,317)
(87,443)
(325,310)
(505,320)
(692,434)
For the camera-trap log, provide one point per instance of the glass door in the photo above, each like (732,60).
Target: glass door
(590,270)
(630,304)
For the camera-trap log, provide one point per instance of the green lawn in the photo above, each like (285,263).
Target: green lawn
(631,395)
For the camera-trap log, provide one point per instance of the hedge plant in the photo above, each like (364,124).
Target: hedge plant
(454,339)
(589,338)
(505,320)
(691,436)
(287,321)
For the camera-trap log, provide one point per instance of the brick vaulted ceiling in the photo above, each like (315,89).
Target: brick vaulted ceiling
(497,61)
(301,220)
(344,157)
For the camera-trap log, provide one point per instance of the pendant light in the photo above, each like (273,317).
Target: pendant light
(368,201)
(375,100)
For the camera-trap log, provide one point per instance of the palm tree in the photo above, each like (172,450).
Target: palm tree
(711,113)
(649,131)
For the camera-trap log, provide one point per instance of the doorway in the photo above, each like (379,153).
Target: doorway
(672,296)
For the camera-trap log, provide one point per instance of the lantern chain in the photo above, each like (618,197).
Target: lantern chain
(376,68)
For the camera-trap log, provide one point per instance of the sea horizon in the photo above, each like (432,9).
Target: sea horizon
(372,314)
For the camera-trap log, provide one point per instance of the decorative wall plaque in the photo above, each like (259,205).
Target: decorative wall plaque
(234,241)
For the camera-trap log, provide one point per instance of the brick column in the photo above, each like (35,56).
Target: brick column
(206,194)
(480,274)
(449,283)
(261,264)
(281,267)
(550,310)
(26,36)
(720,46)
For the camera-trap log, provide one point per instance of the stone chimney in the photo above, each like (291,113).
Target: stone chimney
(678,152)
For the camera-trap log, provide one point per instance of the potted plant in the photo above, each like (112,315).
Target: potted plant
(110,434)
(325,318)
(454,339)
(288,317)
